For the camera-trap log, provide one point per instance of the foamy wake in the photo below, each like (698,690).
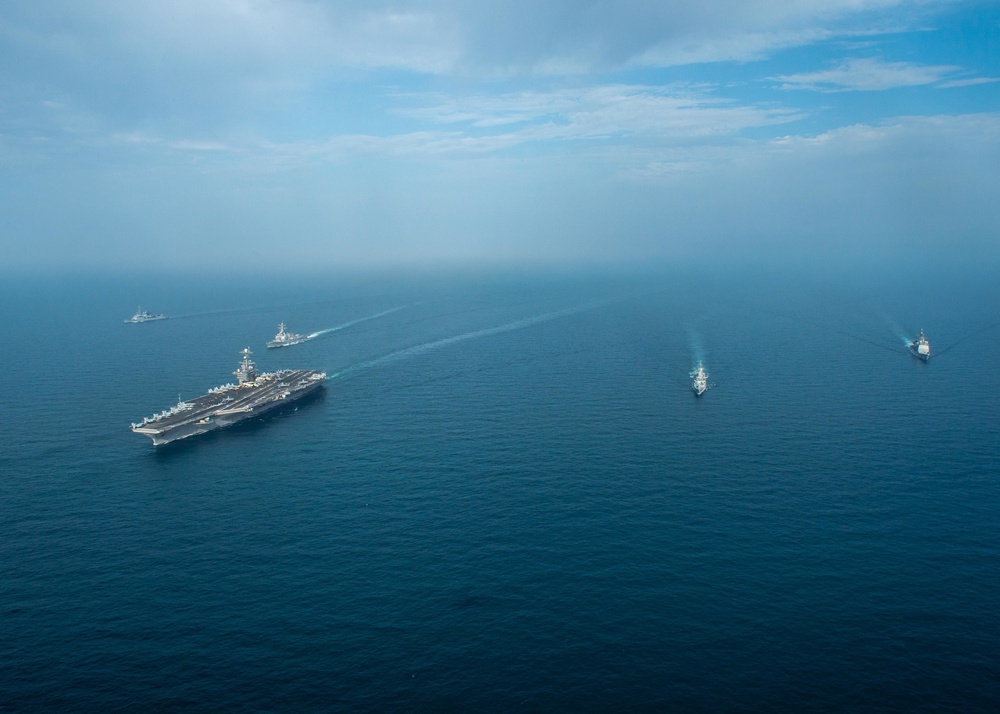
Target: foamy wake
(486,332)
(313,335)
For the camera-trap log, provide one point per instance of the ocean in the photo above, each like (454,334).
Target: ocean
(507,498)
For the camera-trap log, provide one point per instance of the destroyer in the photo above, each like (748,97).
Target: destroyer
(286,339)
(699,380)
(253,395)
(143,316)
(921,348)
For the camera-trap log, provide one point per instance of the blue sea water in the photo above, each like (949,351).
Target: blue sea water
(507,497)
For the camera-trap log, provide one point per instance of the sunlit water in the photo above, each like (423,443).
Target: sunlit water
(507,497)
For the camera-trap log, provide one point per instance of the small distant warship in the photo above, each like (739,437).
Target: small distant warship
(286,339)
(143,316)
(699,380)
(920,347)
(253,395)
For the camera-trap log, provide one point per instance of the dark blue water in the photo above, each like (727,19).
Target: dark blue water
(508,497)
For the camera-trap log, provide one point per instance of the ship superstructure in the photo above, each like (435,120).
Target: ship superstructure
(920,347)
(699,380)
(286,339)
(253,394)
(143,316)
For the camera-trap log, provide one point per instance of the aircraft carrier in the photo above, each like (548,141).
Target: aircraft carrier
(253,395)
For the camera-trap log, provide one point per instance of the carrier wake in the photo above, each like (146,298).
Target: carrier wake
(486,332)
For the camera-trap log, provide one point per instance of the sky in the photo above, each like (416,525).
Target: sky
(284,134)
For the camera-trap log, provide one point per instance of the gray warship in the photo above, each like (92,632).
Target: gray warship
(253,395)
(144,316)
(286,339)
(920,347)
(699,380)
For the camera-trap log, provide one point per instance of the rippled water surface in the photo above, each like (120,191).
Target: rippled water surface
(507,496)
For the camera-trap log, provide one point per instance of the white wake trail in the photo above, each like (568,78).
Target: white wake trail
(313,335)
(486,332)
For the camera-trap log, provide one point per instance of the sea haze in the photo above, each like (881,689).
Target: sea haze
(507,496)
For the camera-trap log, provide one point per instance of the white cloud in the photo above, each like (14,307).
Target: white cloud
(905,185)
(912,139)
(909,186)
(578,36)
(208,69)
(867,75)
(654,113)
(616,116)
(411,118)
(738,45)
(234,37)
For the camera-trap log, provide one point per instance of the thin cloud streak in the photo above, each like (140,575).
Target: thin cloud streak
(958,83)
(867,75)
(615,113)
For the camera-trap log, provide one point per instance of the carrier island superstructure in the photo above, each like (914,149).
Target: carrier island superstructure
(253,395)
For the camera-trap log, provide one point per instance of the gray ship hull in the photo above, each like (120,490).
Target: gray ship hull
(137,320)
(288,343)
(226,406)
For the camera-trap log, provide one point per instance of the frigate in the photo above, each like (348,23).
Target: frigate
(253,395)
(699,380)
(143,316)
(920,347)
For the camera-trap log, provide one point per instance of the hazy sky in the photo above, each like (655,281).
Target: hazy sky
(256,133)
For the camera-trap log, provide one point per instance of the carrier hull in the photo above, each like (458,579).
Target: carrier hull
(224,406)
